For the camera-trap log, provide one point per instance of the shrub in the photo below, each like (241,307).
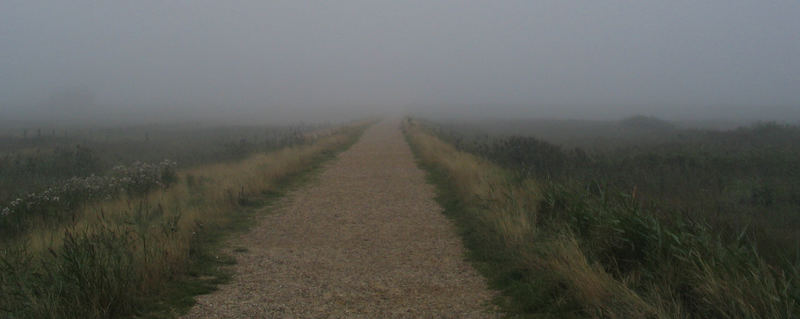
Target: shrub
(61,200)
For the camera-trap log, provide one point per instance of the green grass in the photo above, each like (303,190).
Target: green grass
(148,257)
(559,248)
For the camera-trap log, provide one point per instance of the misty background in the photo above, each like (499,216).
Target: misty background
(272,61)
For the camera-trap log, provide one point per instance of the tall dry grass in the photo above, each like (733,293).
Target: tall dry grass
(116,255)
(499,215)
(558,253)
(481,184)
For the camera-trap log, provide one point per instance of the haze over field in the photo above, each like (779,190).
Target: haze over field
(262,61)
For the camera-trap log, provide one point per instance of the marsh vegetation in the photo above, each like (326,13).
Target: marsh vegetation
(114,242)
(669,223)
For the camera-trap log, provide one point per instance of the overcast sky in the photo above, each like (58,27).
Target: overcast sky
(555,58)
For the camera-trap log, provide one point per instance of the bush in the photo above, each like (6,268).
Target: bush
(60,201)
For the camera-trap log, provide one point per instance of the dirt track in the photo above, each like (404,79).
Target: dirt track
(365,240)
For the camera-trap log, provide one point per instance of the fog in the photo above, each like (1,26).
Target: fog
(266,61)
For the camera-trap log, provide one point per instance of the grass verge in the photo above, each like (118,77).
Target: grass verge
(565,252)
(147,257)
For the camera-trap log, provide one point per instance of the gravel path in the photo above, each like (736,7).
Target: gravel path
(366,240)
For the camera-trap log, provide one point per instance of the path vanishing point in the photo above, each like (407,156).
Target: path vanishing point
(365,239)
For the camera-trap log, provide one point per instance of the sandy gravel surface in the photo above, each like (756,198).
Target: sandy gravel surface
(366,240)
